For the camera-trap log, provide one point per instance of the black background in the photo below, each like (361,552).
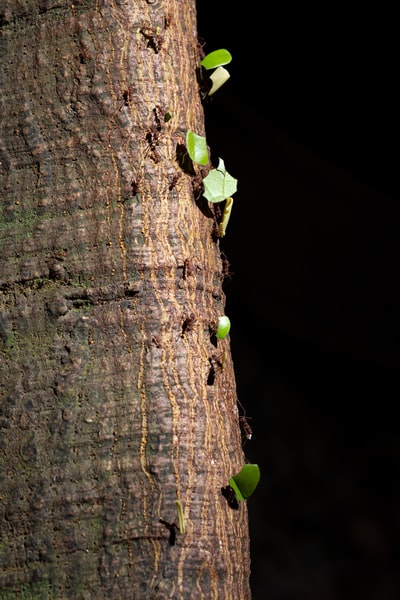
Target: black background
(308,124)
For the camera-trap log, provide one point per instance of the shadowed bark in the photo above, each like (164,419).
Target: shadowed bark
(110,288)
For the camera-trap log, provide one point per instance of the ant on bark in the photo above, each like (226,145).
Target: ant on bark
(175,178)
(127,96)
(229,493)
(153,37)
(226,272)
(153,135)
(217,364)
(172,528)
(247,432)
(188,324)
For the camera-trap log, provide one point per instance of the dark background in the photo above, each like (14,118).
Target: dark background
(308,124)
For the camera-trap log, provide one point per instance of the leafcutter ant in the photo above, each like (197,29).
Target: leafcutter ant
(188,324)
(172,528)
(153,135)
(167,21)
(127,96)
(175,178)
(229,493)
(217,363)
(226,273)
(135,185)
(204,82)
(189,268)
(152,138)
(247,432)
(156,341)
(153,37)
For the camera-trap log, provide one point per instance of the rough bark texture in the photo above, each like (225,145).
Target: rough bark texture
(113,404)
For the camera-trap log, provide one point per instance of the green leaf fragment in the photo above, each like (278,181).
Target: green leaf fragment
(181,519)
(219,185)
(218,78)
(245,482)
(196,146)
(216,58)
(223,327)
(225,217)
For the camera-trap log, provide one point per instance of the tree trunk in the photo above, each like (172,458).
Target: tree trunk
(113,402)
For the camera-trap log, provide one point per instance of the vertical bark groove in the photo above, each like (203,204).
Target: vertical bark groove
(110,286)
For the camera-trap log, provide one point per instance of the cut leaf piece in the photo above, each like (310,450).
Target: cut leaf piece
(219,185)
(218,78)
(181,519)
(225,217)
(216,58)
(196,146)
(246,481)
(223,327)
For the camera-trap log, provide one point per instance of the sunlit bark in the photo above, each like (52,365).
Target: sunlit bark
(113,403)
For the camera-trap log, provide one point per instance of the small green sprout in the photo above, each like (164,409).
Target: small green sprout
(219,185)
(245,482)
(196,146)
(167,117)
(223,327)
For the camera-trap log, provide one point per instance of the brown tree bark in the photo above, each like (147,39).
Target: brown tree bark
(113,403)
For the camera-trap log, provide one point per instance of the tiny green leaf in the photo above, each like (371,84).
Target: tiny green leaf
(245,482)
(196,146)
(216,58)
(167,117)
(219,185)
(223,327)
